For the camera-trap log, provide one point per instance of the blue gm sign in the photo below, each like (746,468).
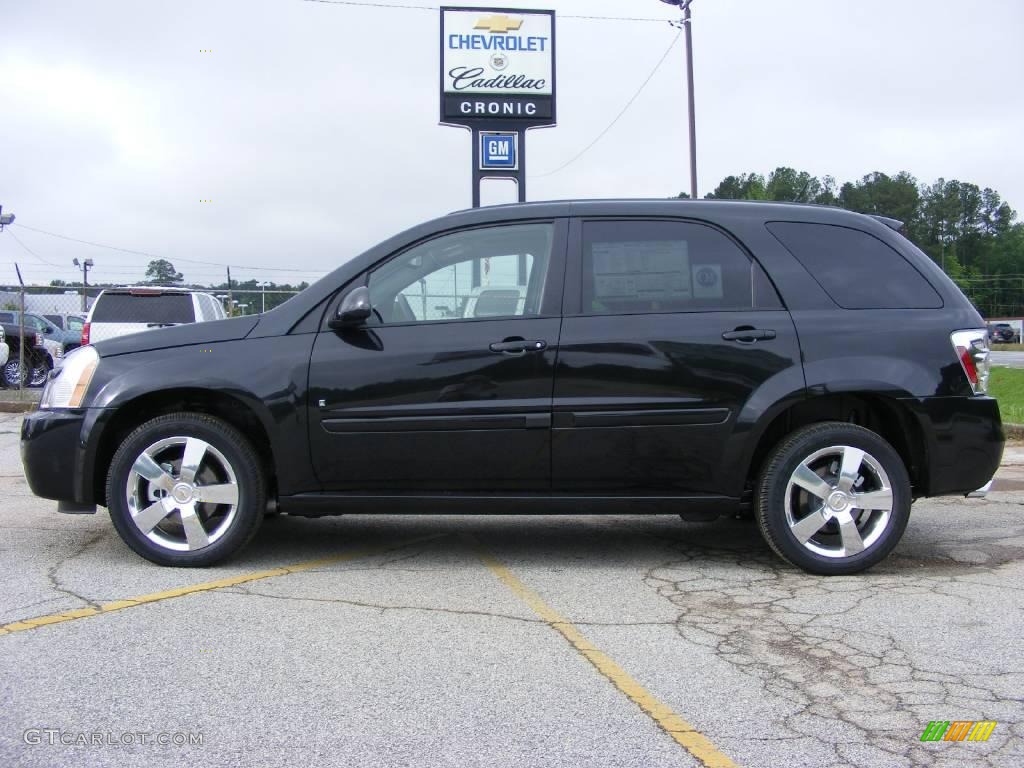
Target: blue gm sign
(499,151)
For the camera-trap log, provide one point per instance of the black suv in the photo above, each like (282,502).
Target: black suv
(804,363)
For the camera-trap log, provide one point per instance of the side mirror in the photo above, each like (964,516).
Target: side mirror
(354,310)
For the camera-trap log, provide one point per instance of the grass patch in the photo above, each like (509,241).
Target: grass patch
(1007,385)
(1008,347)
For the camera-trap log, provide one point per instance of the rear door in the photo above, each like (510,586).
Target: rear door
(673,337)
(118,313)
(429,397)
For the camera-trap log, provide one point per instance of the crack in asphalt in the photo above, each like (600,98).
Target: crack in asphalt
(775,625)
(384,607)
(57,585)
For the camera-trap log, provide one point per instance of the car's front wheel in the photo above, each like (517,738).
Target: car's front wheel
(186,489)
(833,498)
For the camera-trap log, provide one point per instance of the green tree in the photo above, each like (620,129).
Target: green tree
(877,193)
(746,186)
(162,272)
(792,186)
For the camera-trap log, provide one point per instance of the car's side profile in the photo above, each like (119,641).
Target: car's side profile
(659,356)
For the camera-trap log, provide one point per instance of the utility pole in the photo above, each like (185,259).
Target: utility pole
(231,303)
(686,24)
(85,266)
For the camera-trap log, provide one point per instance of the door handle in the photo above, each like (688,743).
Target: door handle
(518,346)
(749,335)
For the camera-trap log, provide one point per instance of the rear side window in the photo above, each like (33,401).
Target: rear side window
(144,308)
(638,267)
(857,270)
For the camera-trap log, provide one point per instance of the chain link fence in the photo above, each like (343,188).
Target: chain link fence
(42,324)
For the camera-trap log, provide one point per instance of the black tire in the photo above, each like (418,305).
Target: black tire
(235,524)
(37,376)
(11,374)
(884,529)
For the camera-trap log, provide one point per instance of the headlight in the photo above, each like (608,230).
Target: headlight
(67,387)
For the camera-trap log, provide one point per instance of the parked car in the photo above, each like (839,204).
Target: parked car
(120,311)
(71,325)
(43,351)
(693,357)
(1003,333)
(5,351)
(55,338)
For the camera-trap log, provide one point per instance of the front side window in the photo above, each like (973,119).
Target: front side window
(481,273)
(638,267)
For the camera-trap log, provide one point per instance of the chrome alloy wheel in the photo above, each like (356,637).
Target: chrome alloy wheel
(182,494)
(838,501)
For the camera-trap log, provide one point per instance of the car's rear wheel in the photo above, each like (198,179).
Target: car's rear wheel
(833,499)
(186,489)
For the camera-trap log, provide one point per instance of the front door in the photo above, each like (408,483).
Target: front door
(672,337)
(448,386)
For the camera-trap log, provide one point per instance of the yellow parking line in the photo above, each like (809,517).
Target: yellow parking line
(685,734)
(231,581)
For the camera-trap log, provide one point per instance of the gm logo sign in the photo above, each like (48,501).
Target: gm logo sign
(499,151)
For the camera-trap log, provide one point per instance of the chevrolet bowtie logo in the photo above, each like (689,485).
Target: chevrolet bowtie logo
(499,23)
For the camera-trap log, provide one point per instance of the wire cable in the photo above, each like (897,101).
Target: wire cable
(30,251)
(618,117)
(152,255)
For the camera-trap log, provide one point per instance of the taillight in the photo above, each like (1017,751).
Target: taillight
(972,351)
(85,334)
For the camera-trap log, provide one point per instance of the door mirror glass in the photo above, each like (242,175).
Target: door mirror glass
(354,310)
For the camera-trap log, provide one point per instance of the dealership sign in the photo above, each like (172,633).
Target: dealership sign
(497,66)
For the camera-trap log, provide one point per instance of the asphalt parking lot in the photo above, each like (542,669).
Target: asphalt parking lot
(1008,359)
(508,641)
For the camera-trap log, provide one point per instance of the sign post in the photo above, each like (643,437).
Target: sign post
(498,80)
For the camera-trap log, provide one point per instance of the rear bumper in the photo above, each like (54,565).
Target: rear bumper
(964,443)
(52,454)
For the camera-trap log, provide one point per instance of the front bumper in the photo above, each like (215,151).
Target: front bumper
(52,452)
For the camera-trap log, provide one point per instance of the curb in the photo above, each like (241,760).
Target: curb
(1014,431)
(25,406)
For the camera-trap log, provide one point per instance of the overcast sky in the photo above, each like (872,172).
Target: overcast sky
(312,127)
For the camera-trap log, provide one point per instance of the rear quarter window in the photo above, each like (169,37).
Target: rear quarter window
(856,269)
(131,308)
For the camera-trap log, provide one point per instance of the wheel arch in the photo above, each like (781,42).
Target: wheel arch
(887,416)
(129,414)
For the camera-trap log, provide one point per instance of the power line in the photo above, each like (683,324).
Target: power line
(409,7)
(30,251)
(152,255)
(618,117)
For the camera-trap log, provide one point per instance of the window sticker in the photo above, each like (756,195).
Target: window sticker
(649,270)
(707,281)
